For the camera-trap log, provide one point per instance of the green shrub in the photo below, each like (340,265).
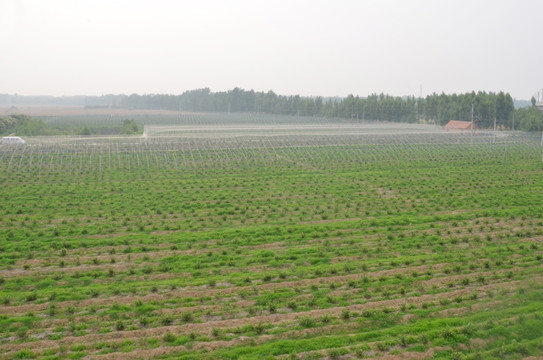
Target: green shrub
(169,337)
(119,325)
(187,317)
(166,320)
(306,322)
(31,296)
(24,354)
(334,353)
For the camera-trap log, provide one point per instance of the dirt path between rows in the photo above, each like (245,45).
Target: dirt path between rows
(206,328)
(204,291)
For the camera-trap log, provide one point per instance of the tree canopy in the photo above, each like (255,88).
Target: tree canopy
(434,108)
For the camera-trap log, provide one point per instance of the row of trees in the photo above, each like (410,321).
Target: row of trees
(23,125)
(435,108)
(529,119)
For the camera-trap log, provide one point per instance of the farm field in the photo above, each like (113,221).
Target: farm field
(308,246)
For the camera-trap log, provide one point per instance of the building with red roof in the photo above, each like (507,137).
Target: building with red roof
(460,126)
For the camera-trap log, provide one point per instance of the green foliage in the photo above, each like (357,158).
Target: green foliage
(307,322)
(529,119)
(8,123)
(187,317)
(85,131)
(130,127)
(169,337)
(434,108)
(24,354)
(437,108)
(392,211)
(22,125)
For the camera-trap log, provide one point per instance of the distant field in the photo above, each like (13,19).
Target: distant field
(108,117)
(62,111)
(314,242)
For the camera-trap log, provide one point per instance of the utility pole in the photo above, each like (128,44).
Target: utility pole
(541,108)
(178,115)
(417,108)
(471,126)
(494,129)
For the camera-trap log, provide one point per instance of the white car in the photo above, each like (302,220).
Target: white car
(13,140)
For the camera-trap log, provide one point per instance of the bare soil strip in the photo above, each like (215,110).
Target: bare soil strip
(206,328)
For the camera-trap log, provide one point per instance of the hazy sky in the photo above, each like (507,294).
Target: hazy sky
(329,48)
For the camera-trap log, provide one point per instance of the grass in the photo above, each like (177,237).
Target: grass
(291,252)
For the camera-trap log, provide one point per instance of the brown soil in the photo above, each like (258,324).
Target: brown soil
(206,328)
(182,293)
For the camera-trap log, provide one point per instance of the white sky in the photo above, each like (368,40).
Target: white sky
(328,48)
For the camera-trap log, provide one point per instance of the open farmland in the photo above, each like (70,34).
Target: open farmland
(225,241)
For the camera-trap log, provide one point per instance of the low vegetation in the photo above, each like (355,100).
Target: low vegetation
(23,125)
(305,252)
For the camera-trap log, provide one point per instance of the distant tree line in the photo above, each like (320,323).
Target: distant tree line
(434,108)
(23,125)
(529,119)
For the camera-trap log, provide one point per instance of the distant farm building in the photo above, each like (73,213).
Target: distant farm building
(460,126)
